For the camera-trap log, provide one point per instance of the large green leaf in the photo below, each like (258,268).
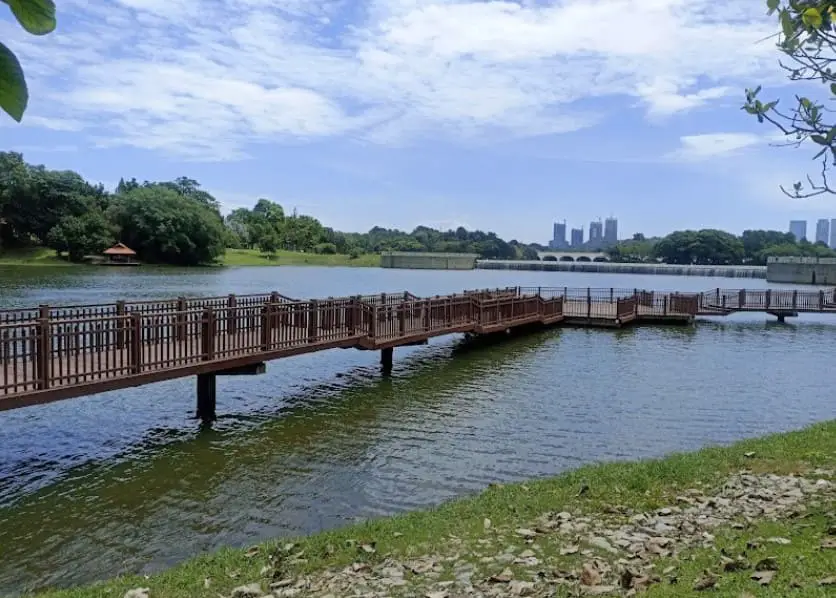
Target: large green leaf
(13,92)
(36,16)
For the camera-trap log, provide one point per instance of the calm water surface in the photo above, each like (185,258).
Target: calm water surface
(126,482)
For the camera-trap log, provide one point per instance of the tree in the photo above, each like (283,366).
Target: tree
(38,18)
(163,226)
(79,236)
(269,244)
(807,39)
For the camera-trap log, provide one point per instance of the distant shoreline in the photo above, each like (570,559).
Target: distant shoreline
(625,268)
(42,257)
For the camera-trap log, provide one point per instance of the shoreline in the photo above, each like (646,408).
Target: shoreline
(233,258)
(602,529)
(625,268)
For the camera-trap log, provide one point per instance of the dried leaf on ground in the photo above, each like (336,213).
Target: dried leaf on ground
(763,577)
(504,577)
(706,582)
(590,576)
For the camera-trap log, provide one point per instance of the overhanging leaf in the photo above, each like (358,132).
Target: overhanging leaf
(812,18)
(14,96)
(772,5)
(36,16)
(787,24)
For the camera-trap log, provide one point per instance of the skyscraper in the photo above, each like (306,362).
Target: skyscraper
(833,233)
(822,230)
(559,236)
(577,237)
(799,229)
(611,231)
(596,234)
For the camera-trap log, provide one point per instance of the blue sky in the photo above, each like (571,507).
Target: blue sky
(497,115)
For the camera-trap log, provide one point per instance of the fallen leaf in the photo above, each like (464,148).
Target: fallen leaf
(252,590)
(138,593)
(571,549)
(705,582)
(526,533)
(252,551)
(590,576)
(504,577)
(438,594)
(487,523)
(770,563)
(749,455)
(738,564)
(368,548)
(780,541)
(207,582)
(598,590)
(828,581)
(763,577)
(828,543)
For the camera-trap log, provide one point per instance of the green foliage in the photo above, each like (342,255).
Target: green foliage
(78,236)
(709,246)
(807,40)
(38,18)
(164,226)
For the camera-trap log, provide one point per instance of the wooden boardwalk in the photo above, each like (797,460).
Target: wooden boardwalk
(53,353)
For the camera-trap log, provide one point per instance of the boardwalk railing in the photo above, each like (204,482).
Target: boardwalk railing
(47,353)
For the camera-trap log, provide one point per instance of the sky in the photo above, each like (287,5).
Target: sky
(502,116)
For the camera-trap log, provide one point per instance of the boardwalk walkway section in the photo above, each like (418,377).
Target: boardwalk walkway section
(53,353)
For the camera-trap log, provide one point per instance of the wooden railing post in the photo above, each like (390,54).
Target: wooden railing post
(232,314)
(375,313)
(207,334)
(402,319)
(768,298)
(43,349)
(427,314)
(120,325)
(588,302)
(741,299)
(794,299)
(135,344)
(665,306)
(821,299)
(181,318)
(266,326)
(313,320)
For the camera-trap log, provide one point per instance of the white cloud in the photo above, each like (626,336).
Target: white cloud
(204,79)
(714,145)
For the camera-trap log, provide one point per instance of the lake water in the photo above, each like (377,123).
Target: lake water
(127,482)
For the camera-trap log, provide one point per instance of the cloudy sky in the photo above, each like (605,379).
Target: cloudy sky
(496,115)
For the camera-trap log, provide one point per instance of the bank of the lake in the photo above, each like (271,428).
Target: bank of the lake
(722,518)
(126,483)
(253,257)
(42,256)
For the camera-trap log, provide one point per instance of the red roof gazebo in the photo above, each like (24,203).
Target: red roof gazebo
(120,254)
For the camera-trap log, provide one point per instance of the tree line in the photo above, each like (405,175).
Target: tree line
(717,247)
(177,222)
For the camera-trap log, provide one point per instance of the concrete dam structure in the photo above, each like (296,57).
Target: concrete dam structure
(617,268)
(801,270)
(413,260)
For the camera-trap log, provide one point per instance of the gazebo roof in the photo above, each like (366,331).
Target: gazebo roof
(120,249)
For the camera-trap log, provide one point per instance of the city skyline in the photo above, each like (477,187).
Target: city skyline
(601,234)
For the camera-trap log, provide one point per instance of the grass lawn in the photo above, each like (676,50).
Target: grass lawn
(253,257)
(32,256)
(541,538)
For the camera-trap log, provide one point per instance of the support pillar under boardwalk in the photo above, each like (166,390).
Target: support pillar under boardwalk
(783,315)
(386,356)
(207,388)
(206,397)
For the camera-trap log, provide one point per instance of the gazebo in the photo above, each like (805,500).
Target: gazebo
(120,255)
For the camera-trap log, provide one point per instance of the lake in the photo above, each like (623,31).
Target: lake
(126,482)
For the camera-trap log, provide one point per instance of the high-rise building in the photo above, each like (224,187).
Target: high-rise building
(596,234)
(611,231)
(559,236)
(822,230)
(833,233)
(799,229)
(577,237)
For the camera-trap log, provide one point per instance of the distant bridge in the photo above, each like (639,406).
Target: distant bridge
(574,256)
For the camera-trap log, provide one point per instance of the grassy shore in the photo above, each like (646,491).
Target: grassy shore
(33,256)
(41,256)
(252,257)
(549,537)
